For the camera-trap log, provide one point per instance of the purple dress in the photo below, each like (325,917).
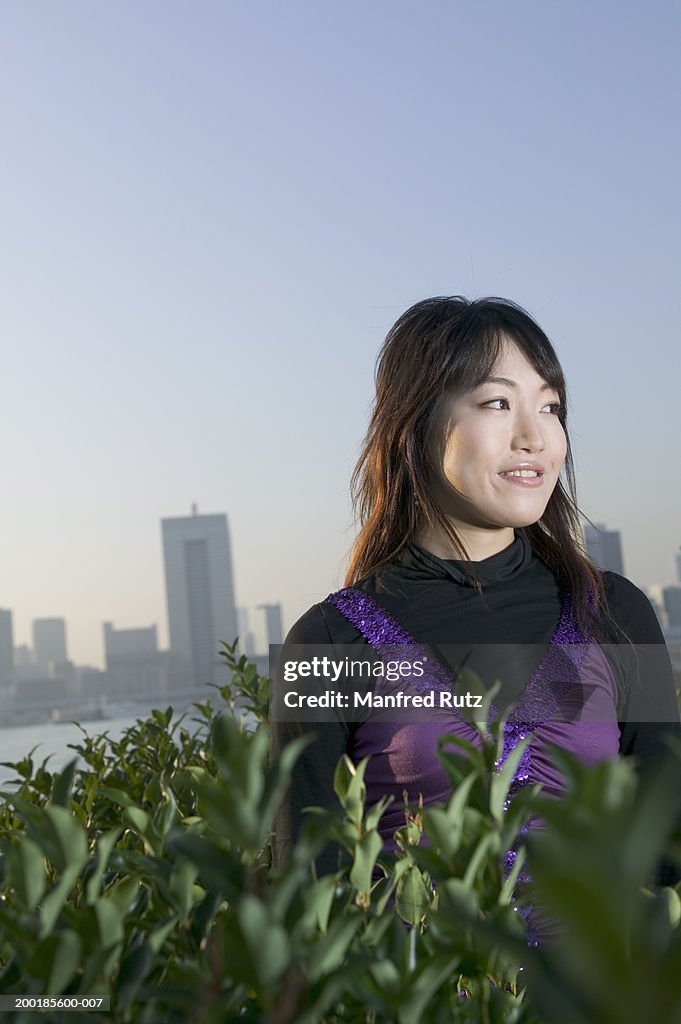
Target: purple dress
(570,700)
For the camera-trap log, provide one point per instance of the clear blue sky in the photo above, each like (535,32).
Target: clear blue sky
(210,215)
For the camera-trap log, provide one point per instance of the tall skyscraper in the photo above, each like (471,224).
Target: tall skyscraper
(604,547)
(246,637)
(200,593)
(672,606)
(678,567)
(6,646)
(273,628)
(49,644)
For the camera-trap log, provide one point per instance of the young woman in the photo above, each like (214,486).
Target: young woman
(470,540)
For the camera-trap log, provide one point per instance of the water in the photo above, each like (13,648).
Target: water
(53,738)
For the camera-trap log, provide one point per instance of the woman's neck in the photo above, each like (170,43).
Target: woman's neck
(479,543)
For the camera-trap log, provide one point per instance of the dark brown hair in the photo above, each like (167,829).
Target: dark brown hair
(437,346)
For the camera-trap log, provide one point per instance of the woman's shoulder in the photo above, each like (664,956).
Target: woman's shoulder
(631,609)
(323,623)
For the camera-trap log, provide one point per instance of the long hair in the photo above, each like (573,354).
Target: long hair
(439,345)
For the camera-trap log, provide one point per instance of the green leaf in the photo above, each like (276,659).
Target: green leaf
(105,845)
(63,783)
(468,681)
(487,849)
(319,900)
(375,813)
(510,881)
(124,894)
(161,933)
(278,779)
(26,872)
(110,918)
(428,978)
(457,900)
(116,795)
(54,901)
(219,870)
(69,846)
(386,976)
(162,717)
(55,961)
(267,941)
(332,948)
(348,783)
(501,780)
(166,815)
(673,906)
(133,971)
(141,822)
(181,885)
(365,854)
(413,897)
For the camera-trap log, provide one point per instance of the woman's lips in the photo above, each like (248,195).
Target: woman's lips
(524,477)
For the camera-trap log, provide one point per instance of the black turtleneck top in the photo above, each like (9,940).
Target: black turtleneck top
(519,602)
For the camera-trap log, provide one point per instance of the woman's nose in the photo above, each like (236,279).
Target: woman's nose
(527,434)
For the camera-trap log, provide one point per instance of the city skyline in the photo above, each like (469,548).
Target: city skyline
(199,605)
(198,269)
(603,545)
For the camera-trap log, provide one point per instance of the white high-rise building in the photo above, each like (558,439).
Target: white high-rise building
(274,632)
(604,547)
(49,645)
(200,594)
(6,646)
(246,637)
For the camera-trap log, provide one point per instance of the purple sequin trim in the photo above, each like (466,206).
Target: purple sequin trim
(541,699)
(382,631)
(376,625)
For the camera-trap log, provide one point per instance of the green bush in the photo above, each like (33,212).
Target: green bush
(144,875)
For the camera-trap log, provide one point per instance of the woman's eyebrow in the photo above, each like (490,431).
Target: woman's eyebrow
(511,383)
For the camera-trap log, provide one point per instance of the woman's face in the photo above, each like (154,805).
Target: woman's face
(503,453)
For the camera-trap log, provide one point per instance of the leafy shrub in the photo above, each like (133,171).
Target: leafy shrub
(144,874)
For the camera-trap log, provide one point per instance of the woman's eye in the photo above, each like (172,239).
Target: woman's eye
(503,403)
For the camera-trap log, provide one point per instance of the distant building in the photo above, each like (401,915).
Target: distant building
(653,594)
(246,637)
(6,647)
(49,645)
(23,657)
(678,567)
(604,547)
(41,691)
(672,606)
(126,642)
(200,594)
(93,684)
(273,627)
(135,668)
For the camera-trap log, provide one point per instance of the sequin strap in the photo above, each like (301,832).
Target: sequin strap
(556,674)
(382,631)
(376,625)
